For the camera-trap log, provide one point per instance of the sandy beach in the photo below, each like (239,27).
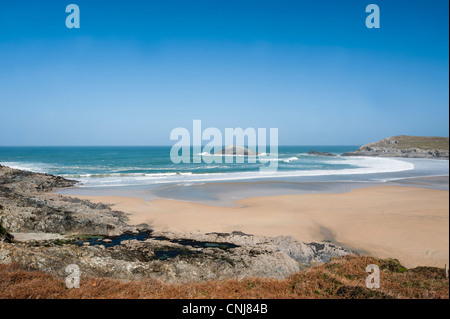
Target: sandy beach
(407,223)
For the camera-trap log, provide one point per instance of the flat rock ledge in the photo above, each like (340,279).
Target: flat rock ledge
(29,237)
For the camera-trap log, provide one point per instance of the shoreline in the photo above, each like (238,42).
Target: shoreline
(154,239)
(403,222)
(227,193)
(106,245)
(328,169)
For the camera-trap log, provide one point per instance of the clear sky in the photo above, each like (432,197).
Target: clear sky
(137,69)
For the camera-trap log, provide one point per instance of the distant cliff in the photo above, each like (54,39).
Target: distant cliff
(406,146)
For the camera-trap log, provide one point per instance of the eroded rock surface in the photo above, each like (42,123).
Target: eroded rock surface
(176,257)
(27,206)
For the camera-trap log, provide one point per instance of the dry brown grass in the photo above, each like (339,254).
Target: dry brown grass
(341,278)
(423,142)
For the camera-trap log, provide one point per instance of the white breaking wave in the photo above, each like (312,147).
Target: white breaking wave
(359,165)
(364,165)
(290,159)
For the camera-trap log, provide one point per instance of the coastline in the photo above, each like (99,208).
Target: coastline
(227,193)
(403,222)
(106,245)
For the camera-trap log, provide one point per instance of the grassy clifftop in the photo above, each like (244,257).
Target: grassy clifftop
(407,142)
(406,146)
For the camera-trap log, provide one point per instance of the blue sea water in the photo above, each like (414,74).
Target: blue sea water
(125,166)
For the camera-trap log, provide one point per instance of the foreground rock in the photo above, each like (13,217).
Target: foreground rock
(26,206)
(304,254)
(176,257)
(406,146)
(53,231)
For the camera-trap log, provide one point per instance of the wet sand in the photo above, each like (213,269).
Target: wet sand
(407,223)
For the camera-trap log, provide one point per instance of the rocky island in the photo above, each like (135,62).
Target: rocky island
(236,150)
(321,153)
(406,146)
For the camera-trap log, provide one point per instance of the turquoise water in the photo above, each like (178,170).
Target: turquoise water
(119,166)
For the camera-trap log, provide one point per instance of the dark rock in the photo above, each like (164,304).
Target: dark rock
(28,208)
(239,233)
(321,153)
(237,150)
(5,236)
(24,181)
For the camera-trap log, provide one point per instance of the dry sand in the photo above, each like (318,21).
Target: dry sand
(407,223)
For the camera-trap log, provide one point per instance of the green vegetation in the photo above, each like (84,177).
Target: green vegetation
(422,142)
(3,231)
(5,236)
(392,265)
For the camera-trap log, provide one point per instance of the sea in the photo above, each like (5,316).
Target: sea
(144,166)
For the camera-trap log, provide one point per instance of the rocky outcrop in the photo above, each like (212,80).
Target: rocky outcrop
(176,257)
(27,182)
(321,153)
(304,253)
(237,150)
(406,146)
(28,207)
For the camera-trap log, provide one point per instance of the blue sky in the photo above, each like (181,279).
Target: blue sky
(137,69)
